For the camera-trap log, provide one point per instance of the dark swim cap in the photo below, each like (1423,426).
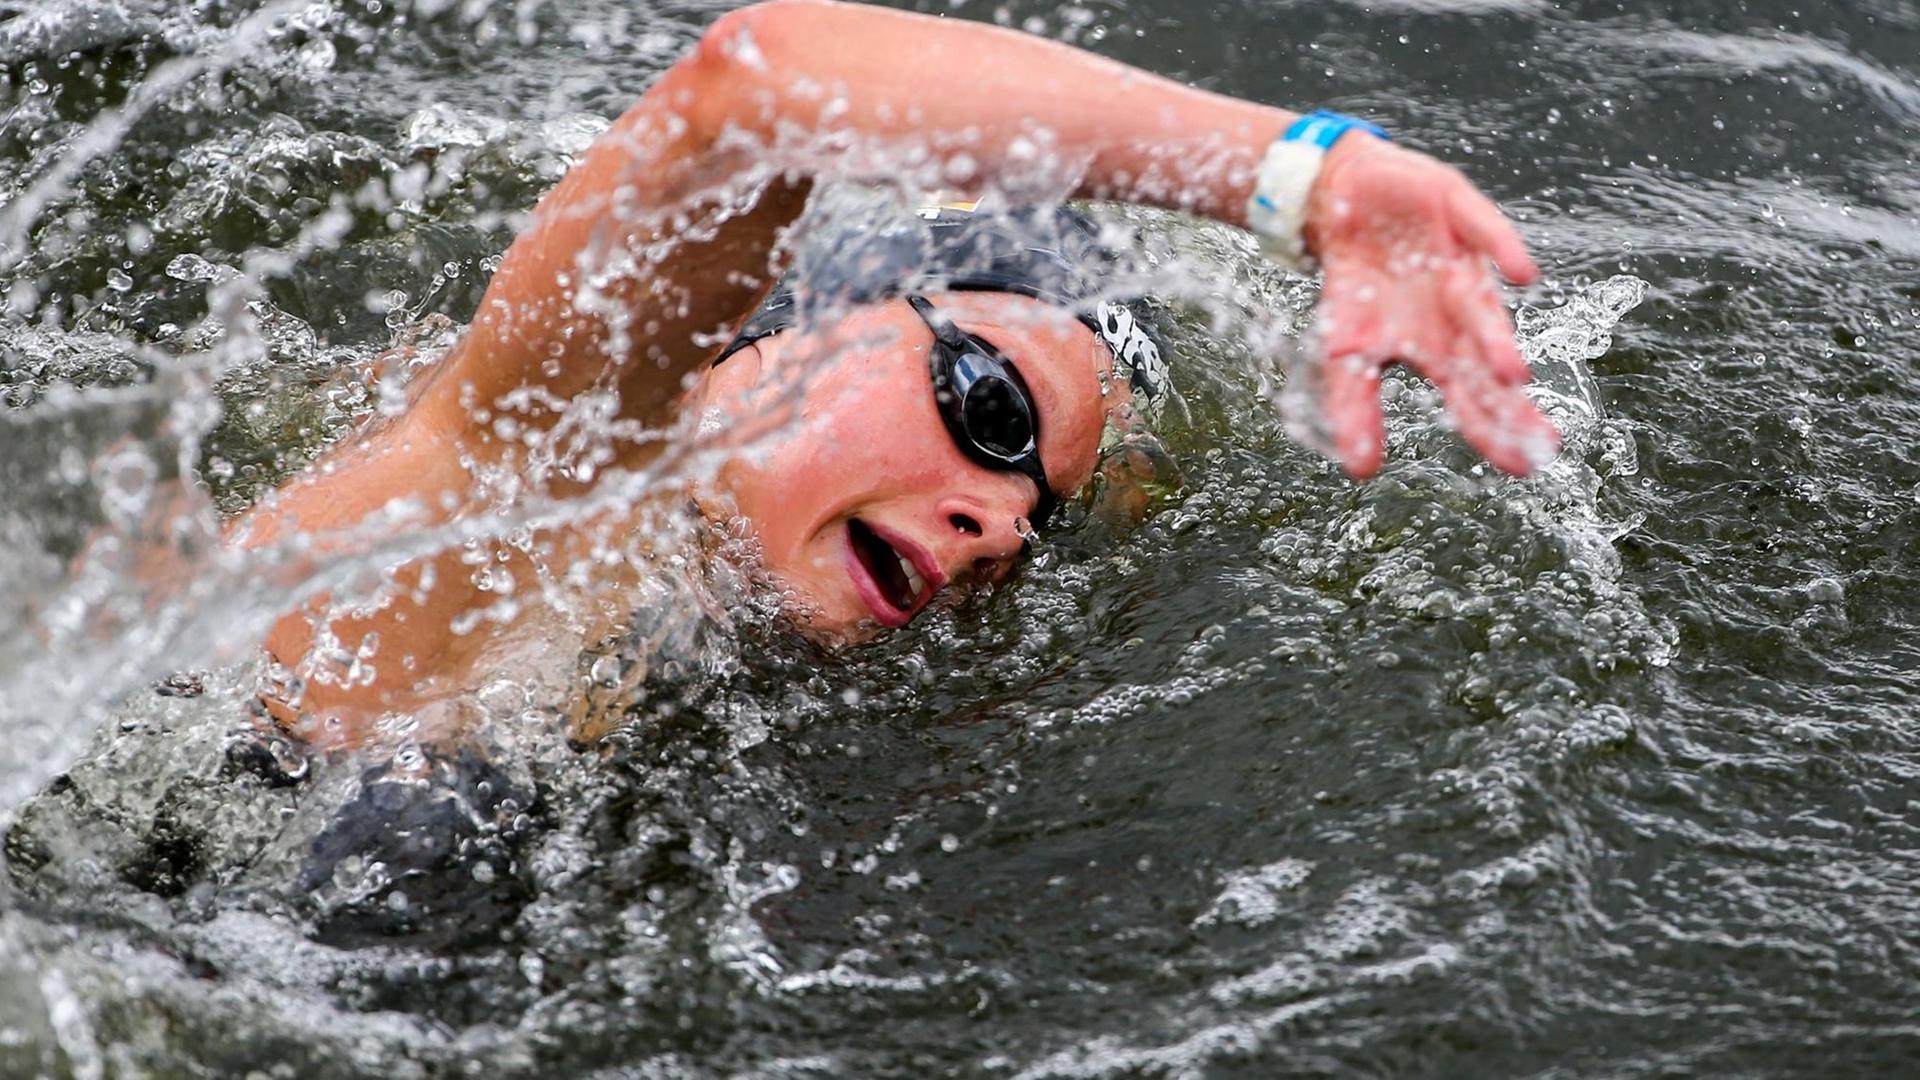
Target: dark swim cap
(1052,254)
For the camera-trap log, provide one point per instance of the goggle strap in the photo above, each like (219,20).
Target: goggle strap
(944,331)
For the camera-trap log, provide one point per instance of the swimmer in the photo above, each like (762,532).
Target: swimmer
(937,427)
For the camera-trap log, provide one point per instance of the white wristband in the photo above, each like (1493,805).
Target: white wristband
(1277,210)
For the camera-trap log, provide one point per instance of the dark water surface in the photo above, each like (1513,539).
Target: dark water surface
(1612,772)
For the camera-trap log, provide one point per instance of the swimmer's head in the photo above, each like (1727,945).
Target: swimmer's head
(866,497)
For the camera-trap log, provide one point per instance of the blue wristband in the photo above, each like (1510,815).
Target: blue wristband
(1277,210)
(1324,128)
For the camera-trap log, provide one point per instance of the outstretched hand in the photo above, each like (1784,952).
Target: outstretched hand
(1404,242)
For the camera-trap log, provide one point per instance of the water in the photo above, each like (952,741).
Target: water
(1604,772)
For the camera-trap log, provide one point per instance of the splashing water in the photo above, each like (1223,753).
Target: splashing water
(1597,770)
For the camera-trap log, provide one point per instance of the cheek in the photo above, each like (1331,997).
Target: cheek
(867,434)
(844,453)
(858,454)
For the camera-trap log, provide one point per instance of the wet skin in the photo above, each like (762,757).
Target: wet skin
(862,505)
(1404,240)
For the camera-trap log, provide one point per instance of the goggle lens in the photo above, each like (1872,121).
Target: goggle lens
(996,418)
(993,419)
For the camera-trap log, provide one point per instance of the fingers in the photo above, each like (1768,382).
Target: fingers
(1351,333)
(1484,321)
(1495,417)
(1350,397)
(1492,412)
(1444,317)
(1483,227)
(1492,331)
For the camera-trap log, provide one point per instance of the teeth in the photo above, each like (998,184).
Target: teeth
(915,583)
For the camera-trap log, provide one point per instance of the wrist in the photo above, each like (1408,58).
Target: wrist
(1292,177)
(1324,211)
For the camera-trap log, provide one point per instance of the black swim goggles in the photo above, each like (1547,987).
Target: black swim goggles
(985,404)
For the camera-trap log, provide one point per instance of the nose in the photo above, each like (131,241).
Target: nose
(981,534)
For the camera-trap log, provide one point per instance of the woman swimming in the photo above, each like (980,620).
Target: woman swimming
(931,430)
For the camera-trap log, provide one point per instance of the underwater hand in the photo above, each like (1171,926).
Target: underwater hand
(1404,242)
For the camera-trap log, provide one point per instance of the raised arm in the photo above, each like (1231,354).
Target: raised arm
(804,87)
(641,260)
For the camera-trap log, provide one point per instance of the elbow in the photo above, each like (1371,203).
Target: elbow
(748,38)
(732,75)
(713,85)
(757,15)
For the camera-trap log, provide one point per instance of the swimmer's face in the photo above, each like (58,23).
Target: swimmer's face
(860,501)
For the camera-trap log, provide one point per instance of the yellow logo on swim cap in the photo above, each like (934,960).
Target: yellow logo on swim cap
(956,201)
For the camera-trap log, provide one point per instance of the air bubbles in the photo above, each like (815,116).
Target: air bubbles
(316,56)
(607,672)
(193,267)
(126,480)
(1255,896)
(23,297)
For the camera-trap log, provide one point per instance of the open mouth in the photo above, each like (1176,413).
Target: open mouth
(899,582)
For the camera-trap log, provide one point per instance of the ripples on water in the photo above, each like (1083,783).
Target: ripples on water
(1609,770)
